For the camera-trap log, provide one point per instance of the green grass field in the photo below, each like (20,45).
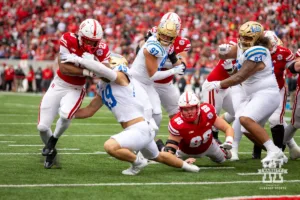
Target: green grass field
(89,173)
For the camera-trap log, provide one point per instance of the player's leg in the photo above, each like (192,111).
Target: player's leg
(48,110)
(217,154)
(255,113)
(291,129)
(133,138)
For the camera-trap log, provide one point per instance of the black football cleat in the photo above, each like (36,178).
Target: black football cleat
(50,146)
(256,154)
(50,160)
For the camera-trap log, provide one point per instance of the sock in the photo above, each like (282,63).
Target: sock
(138,160)
(256,151)
(270,146)
(277,134)
(61,125)
(289,133)
(215,134)
(160,144)
(237,134)
(52,142)
(45,135)
(291,143)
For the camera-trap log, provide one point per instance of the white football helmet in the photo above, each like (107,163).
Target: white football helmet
(173,17)
(275,41)
(89,35)
(187,100)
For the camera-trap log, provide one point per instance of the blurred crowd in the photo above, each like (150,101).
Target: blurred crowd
(31,28)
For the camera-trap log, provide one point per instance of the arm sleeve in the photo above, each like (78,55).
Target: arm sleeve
(99,69)
(159,75)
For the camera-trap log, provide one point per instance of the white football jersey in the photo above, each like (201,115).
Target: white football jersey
(138,68)
(125,102)
(264,79)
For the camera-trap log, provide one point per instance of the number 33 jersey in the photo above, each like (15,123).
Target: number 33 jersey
(125,102)
(196,138)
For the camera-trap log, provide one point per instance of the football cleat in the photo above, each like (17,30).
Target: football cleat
(294,152)
(274,159)
(49,148)
(227,153)
(135,169)
(234,154)
(51,160)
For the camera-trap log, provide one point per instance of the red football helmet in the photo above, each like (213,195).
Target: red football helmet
(189,106)
(90,34)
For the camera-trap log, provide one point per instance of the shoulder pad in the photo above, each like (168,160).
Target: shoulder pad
(256,54)
(68,39)
(155,48)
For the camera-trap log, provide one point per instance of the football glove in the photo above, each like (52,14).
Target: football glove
(179,69)
(224,49)
(213,85)
(71,58)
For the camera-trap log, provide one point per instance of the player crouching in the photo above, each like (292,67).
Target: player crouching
(191,131)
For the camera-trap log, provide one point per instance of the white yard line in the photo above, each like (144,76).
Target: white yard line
(16,154)
(258,197)
(136,184)
(26,145)
(66,149)
(7,141)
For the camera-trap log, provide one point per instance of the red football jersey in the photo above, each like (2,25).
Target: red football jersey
(180,45)
(219,73)
(196,138)
(297,56)
(279,58)
(71,42)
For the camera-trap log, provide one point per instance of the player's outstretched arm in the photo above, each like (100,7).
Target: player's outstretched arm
(91,109)
(227,51)
(69,69)
(222,125)
(172,144)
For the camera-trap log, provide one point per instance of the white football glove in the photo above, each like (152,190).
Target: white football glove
(89,73)
(228,66)
(228,143)
(179,69)
(70,58)
(213,85)
(224,49)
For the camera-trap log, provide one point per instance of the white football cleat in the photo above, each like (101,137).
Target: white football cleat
(294,152)
(276,158)
(135,169)
(234,154)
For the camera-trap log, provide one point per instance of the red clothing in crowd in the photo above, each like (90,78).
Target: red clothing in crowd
(9,74)
(30,76)
(47,74)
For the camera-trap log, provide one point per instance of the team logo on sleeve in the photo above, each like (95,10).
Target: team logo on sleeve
(181,42)
(279,57)
(99,52)
(210,115)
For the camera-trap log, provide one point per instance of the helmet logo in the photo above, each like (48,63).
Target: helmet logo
(255,29)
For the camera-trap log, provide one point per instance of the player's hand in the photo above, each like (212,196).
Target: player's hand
(179,69)
(224,49)
(70,58)
(213,85)
(89,73)
(226,145)
(190,160)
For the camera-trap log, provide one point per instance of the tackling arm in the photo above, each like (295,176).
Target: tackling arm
(248,69)
(69,69)
(172,144)
(91,109)
(228,52)
(222,125)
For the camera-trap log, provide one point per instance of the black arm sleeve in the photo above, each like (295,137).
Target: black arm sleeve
(173,58)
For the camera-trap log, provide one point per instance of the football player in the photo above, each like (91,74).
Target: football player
(191,131)
(281,57)
(291,129)
(152,56)
(129,103)
(255,71)
(66,92)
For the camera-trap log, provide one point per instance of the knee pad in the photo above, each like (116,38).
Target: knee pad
(157,118)
(228,118)
(42,128)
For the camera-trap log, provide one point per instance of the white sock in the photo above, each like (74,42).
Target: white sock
(138,160)
(237,134)
(185,165)
(291,143)
(45,135)
(270,146)
(61,125)
(289,133)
